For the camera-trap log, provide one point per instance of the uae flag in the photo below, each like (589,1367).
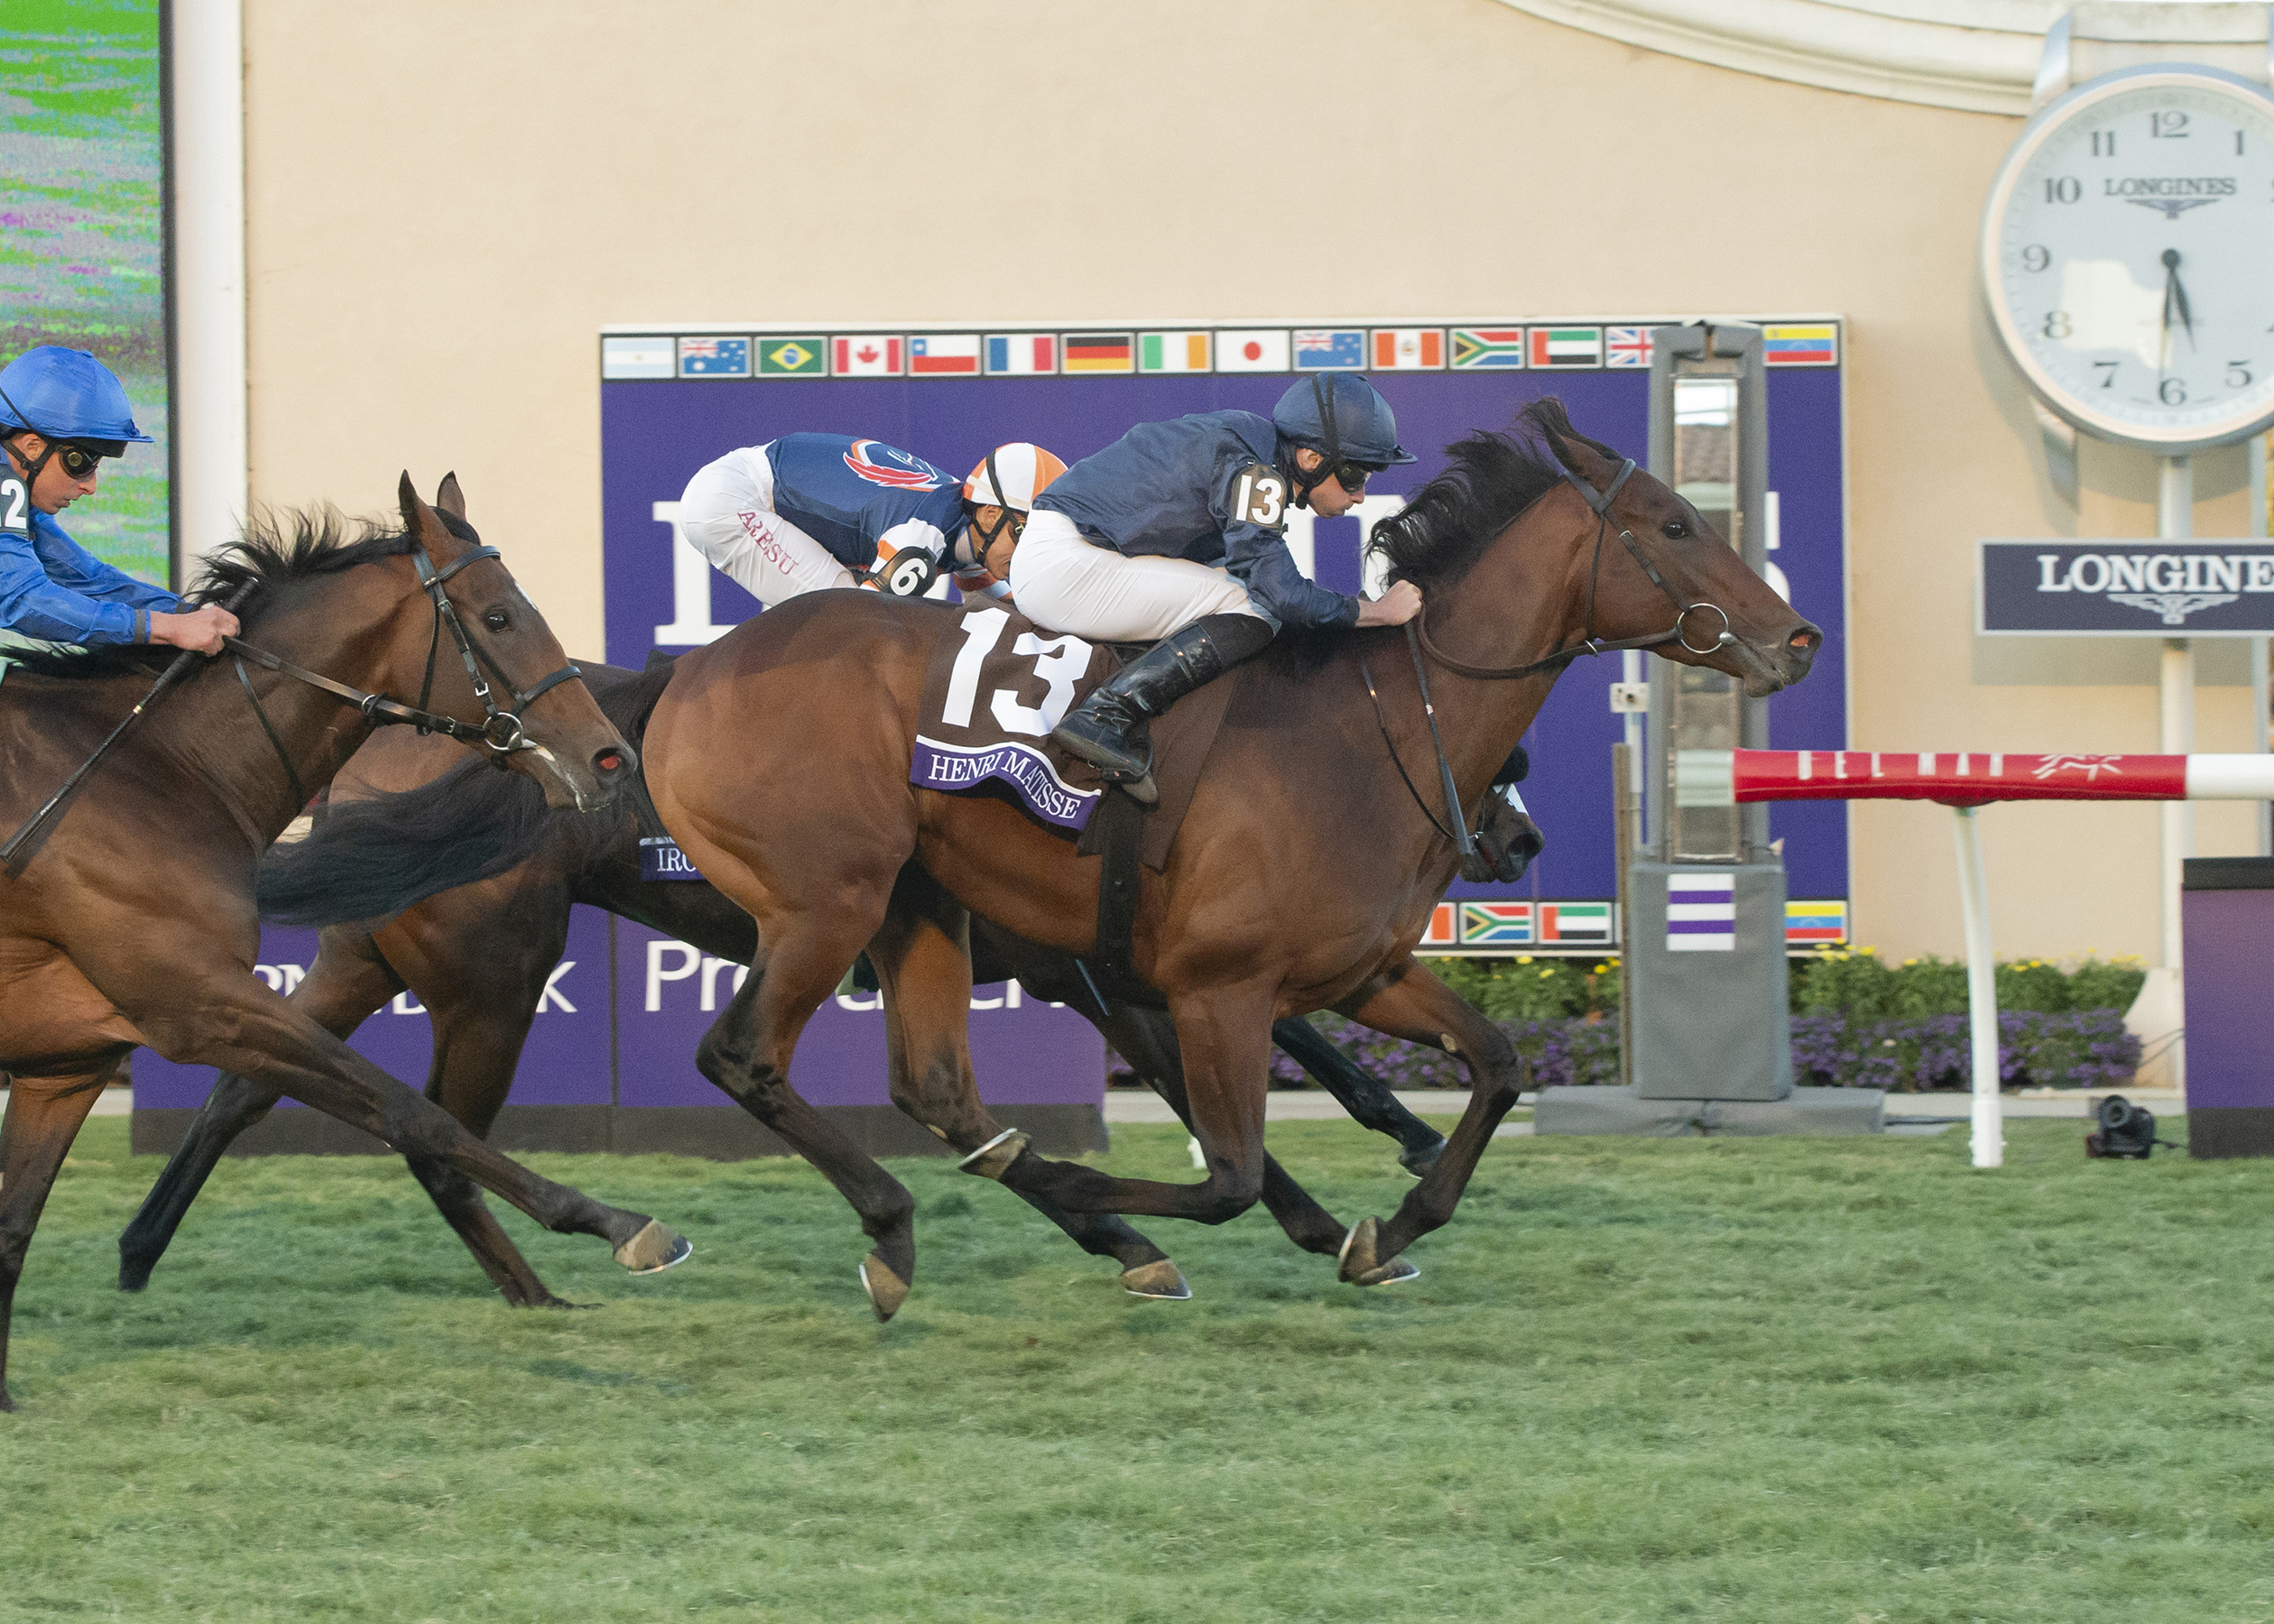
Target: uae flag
(1099,353)
(1409,349)
(1252,349)
(1021,355)
(1566,346)
(868,355)
(930,354)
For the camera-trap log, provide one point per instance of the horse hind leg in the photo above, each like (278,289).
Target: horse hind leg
(922,961)
(1371,1103)
(43,1117)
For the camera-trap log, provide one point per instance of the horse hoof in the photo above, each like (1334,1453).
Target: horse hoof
(654,1250)
(1360,1262)
(886,1290)
(1419,1162)
(992,1160)
(1160,1280)
(1389,1274)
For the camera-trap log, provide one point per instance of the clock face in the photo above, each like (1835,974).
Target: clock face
(2128,251)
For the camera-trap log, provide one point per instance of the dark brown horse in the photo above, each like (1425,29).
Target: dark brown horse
(477,956)
(1304,874)
(134,922)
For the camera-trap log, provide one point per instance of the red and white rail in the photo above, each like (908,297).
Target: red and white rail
(1967,781)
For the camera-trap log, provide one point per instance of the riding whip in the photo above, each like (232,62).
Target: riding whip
(34,825)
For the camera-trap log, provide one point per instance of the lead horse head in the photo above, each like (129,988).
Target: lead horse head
(1670,562)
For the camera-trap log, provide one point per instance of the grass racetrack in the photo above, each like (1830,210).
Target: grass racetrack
(1841,1381)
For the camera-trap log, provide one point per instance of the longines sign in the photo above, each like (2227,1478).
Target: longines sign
(2209,587)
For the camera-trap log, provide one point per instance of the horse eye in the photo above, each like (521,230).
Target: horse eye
(1676,528)
(495,620)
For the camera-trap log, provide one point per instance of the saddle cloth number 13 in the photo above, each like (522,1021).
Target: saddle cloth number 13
(1059,661)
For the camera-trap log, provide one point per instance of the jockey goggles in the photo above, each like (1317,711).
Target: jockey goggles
(80,461)
(1353,475)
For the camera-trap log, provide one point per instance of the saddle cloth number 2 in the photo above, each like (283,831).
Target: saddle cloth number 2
(1059,661)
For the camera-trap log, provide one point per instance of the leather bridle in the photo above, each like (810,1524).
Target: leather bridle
(500,733)
(1417,640)
(1589,644)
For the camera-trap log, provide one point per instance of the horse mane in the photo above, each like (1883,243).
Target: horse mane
(1446,526)
(369,860)
(275,548)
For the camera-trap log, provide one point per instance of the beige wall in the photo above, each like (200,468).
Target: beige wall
(446,199)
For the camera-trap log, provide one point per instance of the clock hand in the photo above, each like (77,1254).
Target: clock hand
(2176,296)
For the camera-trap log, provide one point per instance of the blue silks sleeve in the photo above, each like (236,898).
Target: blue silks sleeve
(52,588)
(1256,556)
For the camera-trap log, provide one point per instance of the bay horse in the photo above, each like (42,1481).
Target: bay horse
(477,956)
(1305,870)
(134,922)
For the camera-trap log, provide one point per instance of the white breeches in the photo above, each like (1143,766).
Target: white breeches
(728,512)
(1066,584)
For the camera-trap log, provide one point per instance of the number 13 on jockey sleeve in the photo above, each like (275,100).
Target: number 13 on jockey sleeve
(1259,496)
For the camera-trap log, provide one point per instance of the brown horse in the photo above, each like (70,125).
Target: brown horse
(134,922)
(1305,870)
(477,956)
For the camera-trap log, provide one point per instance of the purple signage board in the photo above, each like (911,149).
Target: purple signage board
(1023,1051)
(2227,917)
(664,415)
(566,1061)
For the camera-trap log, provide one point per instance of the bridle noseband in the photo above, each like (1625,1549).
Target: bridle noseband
(500,733)
(1589,644)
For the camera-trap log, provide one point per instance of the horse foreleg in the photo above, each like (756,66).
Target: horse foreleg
(232,1021)
(1225,1033)
(1371,1102)
(746,1053)
(43,1118)
(922,958)
(1422,1009)
(347,983)
(1147,1039)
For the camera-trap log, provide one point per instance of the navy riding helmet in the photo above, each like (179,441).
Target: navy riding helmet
(1340,416)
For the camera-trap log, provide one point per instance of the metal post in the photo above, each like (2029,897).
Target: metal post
(2261,679)
(1982,994)
(2175,522)
(1624,807)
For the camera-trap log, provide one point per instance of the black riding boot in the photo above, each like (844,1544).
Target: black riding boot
(1097,731)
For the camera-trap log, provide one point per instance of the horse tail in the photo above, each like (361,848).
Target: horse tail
(369,860)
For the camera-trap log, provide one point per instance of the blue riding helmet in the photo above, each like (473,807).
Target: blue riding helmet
(1338,414)
(65,395)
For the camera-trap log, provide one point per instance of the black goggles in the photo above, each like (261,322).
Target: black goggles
(1353,475)
(78,461)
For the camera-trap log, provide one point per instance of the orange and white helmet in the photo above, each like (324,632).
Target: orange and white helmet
(1012,476)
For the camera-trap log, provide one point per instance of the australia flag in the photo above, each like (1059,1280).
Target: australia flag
(1343,350)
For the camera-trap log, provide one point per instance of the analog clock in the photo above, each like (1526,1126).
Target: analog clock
(2127,255)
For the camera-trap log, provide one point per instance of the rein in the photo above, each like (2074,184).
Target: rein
(500,733)
(1417,640)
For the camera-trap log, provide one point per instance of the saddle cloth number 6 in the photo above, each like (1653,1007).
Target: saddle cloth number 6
(1059,661)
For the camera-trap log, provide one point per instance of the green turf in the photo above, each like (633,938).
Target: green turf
(1745,1380)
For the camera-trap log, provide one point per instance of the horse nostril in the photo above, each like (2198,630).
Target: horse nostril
(609,764)
(1803,640)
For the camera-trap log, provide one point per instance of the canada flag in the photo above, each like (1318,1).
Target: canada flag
(868,355)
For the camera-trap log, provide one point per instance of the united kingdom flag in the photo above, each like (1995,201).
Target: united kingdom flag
(1628,346)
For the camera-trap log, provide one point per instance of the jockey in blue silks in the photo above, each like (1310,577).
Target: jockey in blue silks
(61,412)
(1176,532)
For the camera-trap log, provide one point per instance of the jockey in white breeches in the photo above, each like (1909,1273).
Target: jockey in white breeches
(809,512)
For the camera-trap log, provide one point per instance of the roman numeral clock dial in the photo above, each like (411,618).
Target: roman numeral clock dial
(2128,255)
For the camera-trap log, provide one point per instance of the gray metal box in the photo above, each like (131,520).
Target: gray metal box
(1706,976)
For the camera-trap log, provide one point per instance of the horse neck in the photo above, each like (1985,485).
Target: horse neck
(1523,599)
(345,626)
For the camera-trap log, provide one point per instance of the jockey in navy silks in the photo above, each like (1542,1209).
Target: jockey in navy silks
(809,512)
(61,412)
(1175,535)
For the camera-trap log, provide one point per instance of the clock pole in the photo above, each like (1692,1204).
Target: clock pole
(2175,522)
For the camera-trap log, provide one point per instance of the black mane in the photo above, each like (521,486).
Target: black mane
(1444,526)
(275,548)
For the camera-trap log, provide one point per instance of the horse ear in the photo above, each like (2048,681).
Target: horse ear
(449,498)
(418,518)
(1572,449)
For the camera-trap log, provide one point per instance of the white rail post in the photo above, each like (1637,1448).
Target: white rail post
(1982,996)
(2175,522)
